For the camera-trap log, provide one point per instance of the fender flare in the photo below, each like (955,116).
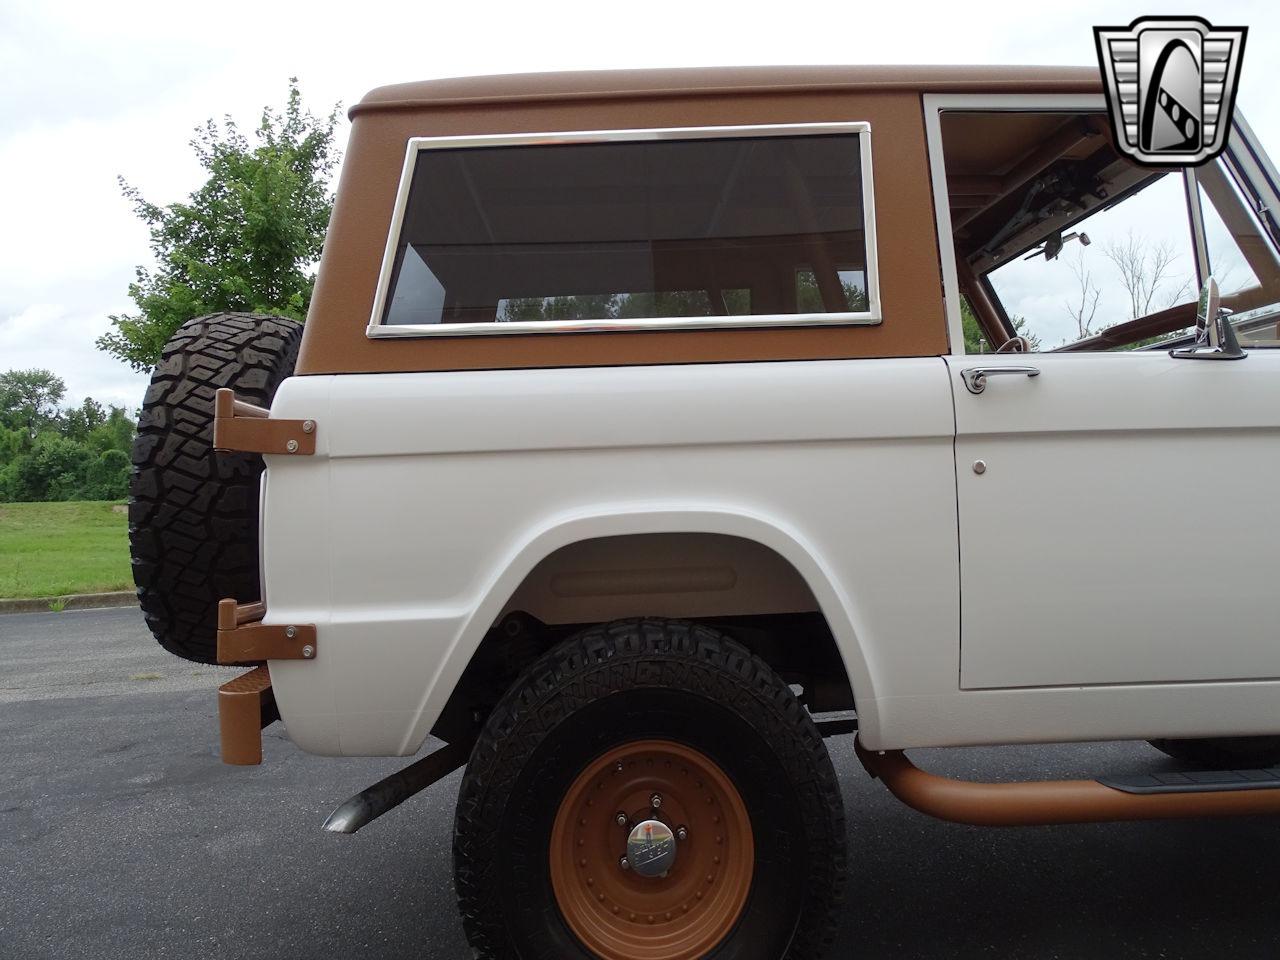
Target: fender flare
(628,519)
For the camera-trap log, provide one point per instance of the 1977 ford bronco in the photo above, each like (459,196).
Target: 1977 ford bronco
(647,427)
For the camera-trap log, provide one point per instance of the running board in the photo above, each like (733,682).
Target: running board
(1234,793)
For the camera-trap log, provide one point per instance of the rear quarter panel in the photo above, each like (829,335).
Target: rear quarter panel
(433,494)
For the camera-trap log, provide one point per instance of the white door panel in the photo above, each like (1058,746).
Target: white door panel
(1125,529)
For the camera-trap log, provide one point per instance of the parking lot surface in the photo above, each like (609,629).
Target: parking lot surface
(122,835)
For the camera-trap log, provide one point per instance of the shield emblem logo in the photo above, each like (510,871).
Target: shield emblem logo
(1171,87)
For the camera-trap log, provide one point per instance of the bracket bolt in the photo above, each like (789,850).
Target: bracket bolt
(308,652)
(308,426)
(290,632)
(292,446)
(655,801)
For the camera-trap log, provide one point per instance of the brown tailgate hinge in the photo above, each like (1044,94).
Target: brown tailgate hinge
(243,638)
(249,429)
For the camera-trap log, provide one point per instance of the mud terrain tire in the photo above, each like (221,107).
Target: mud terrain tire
(193,514)
(599,694)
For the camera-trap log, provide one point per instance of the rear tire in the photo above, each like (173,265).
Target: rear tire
(1240,753)
(193,514)
(618,711)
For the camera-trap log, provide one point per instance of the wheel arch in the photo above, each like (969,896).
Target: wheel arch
(535,549)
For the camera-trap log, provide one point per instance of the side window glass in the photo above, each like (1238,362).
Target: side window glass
(1241,258)
(1128,260)
(670,231)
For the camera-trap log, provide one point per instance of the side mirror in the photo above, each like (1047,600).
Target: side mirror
(1215,336)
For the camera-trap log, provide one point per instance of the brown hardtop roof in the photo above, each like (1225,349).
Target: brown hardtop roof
(701,81)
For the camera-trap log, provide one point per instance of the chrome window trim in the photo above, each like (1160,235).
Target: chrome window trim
(934,106)
(869,317)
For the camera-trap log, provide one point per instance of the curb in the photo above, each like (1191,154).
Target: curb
(72,601)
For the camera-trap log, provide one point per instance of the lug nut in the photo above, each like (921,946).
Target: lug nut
(682,832)
(624,864)
(621,819)
(655,801)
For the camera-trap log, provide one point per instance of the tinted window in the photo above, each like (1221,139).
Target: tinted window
(621,230)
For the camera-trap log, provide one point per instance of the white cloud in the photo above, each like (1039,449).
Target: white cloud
(54,337)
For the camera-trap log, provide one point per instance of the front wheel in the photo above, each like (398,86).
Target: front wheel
(649,789)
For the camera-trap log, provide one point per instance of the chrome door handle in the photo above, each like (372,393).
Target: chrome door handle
(975,378)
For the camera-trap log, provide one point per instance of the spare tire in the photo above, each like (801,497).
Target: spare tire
(193,513)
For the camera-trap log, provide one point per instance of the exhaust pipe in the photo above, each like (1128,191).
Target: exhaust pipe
(387,794)
(1224,794)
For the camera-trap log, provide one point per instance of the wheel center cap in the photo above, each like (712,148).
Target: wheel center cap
(651,848)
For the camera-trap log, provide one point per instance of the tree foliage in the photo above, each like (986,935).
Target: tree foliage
(51,453)
(248,239)
(975,340)
(29,400)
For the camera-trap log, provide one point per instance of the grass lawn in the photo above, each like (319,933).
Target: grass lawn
(50,549)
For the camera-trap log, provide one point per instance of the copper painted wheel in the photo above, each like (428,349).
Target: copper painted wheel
(619,914)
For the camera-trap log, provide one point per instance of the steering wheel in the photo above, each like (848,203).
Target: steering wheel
(1015,345)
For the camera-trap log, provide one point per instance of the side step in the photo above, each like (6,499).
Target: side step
(1234,793)
(1204,781)
(246,704)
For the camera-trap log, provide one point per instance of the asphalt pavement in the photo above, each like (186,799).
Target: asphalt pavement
(123,836)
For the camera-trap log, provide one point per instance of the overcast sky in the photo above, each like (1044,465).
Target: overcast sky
(95,90)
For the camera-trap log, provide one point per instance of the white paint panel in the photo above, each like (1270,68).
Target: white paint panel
(444,489)
(1125,528)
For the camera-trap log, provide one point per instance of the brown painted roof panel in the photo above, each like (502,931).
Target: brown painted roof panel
(632,84)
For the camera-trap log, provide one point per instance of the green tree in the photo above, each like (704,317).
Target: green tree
(107,477)
(79,422)
(54,469)
(29,400)
(80,453)
(248,239)
(975,341)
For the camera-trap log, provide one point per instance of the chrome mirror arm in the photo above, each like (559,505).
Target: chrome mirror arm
(1215,335)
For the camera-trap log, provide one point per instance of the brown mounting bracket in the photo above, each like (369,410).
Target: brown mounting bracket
(243,638)
(247,428)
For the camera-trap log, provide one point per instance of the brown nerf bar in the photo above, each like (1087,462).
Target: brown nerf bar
(1057,801)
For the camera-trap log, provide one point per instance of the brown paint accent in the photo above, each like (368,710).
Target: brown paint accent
(248,428)
(523,88)
(334,340)
(1078,135)
(1050,801)
(619,915)
(245,705)
(983,309)
(241,639)
(1130,331)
